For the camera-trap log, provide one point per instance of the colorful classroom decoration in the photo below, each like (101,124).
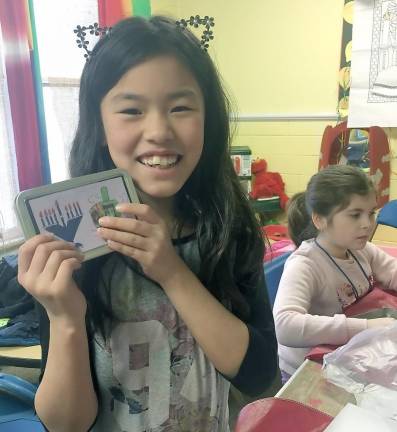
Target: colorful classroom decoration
(111,11)
(25,93)
(345,59)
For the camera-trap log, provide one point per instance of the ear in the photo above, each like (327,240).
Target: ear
(320,222)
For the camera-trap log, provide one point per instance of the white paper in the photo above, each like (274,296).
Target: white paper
(353,418)
(373,90)
(69,214)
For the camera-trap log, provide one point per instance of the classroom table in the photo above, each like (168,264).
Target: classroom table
(23,356)
(308,386)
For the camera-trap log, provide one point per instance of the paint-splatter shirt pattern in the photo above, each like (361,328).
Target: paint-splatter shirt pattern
(152,375)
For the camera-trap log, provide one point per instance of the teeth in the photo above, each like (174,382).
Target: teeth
(162,161)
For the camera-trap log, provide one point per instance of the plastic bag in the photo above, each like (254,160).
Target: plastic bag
(367,367)
(370,357)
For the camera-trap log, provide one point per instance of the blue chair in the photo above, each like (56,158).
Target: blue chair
(387,215)
(17,405)
(273,270)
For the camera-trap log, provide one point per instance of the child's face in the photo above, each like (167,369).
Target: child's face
(351,227)
(154,125)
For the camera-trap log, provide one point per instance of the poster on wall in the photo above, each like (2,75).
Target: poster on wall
(373,91)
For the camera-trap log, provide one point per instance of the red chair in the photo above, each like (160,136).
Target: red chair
(336,139)
(281,415)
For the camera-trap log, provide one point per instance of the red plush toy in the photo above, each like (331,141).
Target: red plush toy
(267,184)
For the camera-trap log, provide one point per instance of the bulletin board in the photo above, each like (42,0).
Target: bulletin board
(345,60)
(368,91)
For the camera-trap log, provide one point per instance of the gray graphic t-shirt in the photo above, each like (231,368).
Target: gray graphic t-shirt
(152,375)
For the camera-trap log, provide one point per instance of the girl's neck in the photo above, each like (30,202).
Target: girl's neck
(331,248)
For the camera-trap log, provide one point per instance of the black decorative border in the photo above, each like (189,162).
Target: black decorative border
(196,21)
(193,21)
(93,29)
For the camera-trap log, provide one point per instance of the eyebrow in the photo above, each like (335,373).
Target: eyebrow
(171,96)
(359,209)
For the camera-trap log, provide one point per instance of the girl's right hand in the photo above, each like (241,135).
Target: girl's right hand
(45,269)
(380,322)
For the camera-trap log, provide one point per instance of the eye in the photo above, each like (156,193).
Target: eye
(372,214)
(131,111)
(180,108)
(355,215)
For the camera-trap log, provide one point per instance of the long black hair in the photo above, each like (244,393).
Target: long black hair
(211,199)
(328,192)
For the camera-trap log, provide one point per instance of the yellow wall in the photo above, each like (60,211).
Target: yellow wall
(277,56)
(265,48)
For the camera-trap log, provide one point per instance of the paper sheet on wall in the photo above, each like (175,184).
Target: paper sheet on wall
(373,91)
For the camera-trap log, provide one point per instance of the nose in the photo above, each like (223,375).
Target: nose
(158,128)
(366,221)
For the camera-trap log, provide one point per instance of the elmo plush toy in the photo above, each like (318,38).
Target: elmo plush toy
(266,184)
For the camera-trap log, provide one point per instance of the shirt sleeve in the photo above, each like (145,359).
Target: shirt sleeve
(260,364)
(296,327)
(383,265)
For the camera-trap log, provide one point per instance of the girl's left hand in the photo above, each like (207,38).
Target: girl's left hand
(145,239)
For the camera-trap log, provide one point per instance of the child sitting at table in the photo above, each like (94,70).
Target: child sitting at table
(334,264)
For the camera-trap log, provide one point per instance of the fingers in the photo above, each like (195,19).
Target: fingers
(141,211)
(380,322)
(127,225)
(44,251)
(36,255)
(60,258)
(126,238)
(66,269)
(27,250)
(145,239)
(126,250)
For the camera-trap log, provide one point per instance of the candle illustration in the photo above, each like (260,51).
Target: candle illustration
(54,221)
(54,216)
(59,212)
(41,218)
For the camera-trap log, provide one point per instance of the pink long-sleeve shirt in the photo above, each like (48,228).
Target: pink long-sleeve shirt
(312,293)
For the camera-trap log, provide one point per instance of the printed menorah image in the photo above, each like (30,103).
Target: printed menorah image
(62,223)
(105,207)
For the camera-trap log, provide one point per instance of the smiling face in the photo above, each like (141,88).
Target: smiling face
(153,120)
(349,228)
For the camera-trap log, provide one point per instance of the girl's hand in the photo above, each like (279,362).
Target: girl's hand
(145,239)
(380,322)
(45,269)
